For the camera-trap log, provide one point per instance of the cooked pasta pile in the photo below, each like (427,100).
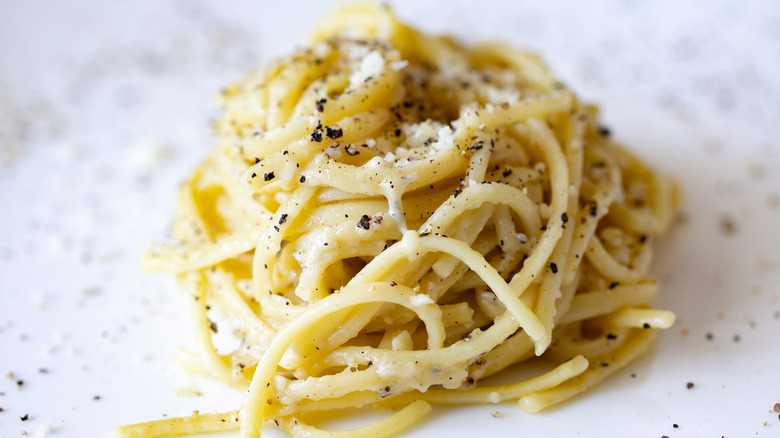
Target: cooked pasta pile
(391,217)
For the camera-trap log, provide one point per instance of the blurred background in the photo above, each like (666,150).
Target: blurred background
(105,107)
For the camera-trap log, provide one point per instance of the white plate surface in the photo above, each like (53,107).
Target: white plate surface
(104,109)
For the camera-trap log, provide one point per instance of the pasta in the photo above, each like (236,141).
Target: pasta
(391,217)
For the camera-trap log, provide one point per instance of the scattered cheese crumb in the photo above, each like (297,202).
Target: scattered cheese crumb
(420,300)
(43,430)
(446,138)
(399,65)
(371,65)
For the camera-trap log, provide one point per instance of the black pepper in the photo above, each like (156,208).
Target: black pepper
(689,385)
(283,218)
(554,268)
(613,285)
(25,417)
(364,222)
(564,219)
(268,176)
(334,132)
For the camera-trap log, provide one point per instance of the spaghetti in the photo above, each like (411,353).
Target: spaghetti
(391,217)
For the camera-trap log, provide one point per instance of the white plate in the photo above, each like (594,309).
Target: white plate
(104,108)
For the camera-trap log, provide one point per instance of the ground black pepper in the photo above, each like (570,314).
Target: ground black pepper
(334,132)
(268,176)
(689,385)
(364,222)
(283,218)
(554,268)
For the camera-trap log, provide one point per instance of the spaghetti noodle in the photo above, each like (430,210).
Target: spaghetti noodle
(391,217)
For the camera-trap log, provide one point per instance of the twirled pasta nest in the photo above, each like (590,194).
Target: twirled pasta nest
(391,217)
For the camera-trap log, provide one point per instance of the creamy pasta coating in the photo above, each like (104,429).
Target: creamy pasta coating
(390,217)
